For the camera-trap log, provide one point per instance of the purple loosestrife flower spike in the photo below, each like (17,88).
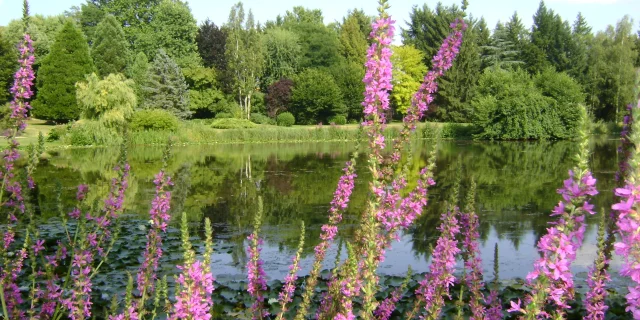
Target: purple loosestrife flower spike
(597,280)
(10,296)
(339,204)
(194,285)
(628,223)
(23,81)
(194,300)
(440,278)
(159,214)
(551,280)
(289,287)
(255,271)
(388,305)
(471,253)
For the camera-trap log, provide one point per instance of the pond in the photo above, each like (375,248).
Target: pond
(517,184)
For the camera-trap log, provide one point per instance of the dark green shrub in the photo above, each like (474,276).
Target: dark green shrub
(154,119)
(232,124)
(261,119)
(339,120)
(285,119)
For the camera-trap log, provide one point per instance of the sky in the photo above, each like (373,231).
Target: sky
(599,13)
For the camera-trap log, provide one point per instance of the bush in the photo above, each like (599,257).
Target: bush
(91,133)
(232,124)
(261,119)
(285,119)
(57,133)
(510,105)
(339,120)
(154,119)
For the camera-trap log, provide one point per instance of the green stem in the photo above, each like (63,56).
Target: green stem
(4,304)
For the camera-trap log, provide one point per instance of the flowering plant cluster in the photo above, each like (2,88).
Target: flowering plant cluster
(392,207)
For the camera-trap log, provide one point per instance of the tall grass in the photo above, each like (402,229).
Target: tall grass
(93,133)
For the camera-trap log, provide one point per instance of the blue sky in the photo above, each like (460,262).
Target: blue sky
(599,13)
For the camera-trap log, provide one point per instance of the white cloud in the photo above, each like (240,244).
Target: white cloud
(588,1)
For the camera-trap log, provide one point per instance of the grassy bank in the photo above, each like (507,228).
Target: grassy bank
(197,132)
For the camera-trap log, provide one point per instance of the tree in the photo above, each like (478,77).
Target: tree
(205,98)
(582,38)
(245,57)
(281,54)
(320,45)
(211,41)
(353,39)
(135,17)
(43,31)
(139,73)
(408,72)
(68,63)
(173,29)
(110,100)
(110,50)
(427,28)
(301,14)
(8,65)
(315,97)
(278,97)
(89,17)
(551,41)
(458,85)
(501,51)
(516,33)
(166,87)
(348,76)
(611,75)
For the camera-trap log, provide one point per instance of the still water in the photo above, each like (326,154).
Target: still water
(517,184)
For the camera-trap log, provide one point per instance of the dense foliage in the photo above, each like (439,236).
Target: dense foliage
(231,123)
(68,63)
(315,97)
(236,66)
(109,49)
(166,87)
(285,119)
(8,64)
(278,96)
(154,119)
(513,105)
(111,100)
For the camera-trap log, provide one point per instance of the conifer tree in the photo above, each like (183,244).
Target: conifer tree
(110,50)
(582,38)
(166,87)
(551,41)
(67,63)
(353,41)
(139,73)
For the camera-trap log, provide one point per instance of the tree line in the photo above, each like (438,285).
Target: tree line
(108,58)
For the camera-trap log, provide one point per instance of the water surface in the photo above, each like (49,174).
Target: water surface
(517,184)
